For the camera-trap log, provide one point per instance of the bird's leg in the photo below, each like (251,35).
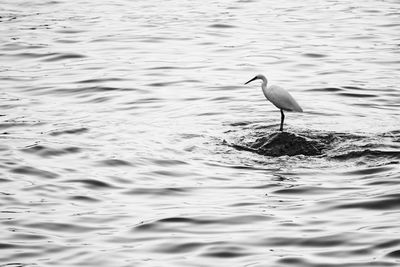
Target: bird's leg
(282,119)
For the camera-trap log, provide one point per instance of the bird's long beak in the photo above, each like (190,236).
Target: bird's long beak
(255,78)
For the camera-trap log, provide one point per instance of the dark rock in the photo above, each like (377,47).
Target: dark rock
(283,143)
(332,145)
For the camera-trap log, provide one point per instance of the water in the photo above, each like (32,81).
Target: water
(116,119)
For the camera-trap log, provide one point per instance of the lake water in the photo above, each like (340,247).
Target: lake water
(116,119)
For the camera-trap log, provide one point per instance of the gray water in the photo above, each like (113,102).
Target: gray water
(116,119)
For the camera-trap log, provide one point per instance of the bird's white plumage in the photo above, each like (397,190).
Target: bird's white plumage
(281,98)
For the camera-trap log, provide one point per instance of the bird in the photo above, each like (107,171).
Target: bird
(279,97)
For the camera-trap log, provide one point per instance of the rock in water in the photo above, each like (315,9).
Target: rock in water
(283,143)
(332,145)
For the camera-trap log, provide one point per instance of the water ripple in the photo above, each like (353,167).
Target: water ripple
(62,227)
(113,163)
(167,223)
(28,170)
(69,131)
(221,26)
(118,127)
(91,183)
(44,151)
(386,202)
(64,56)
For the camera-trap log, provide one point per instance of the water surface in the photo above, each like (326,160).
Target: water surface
(115,119)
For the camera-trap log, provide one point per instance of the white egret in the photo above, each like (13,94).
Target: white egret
(279,97)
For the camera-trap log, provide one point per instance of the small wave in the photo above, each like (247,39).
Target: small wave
(161,84)
(186,220)
(44,151)
(91,183)
(59,57)
(26,236)
(370,170)
(158,191)
(221,26)
(354,88)
(97,100)
(27,55)
(90,90)
(387,202)
(309,190)
(101,80)
(314,55)
(295,261)
(326,89)
(28,170)
(356,95)
(113,163)
(14,123)
(18,46)
(181,248)
(84,199)
(226,253)
(394,254)
(241,123)
(367,154)
(164,68)
(70,31)
(190,222)
(67,41)
(7,17)
(8,246)
(168,162)
(387,244)
(225,87)
(69,131)
(390,25)
(313,241)
(62,227)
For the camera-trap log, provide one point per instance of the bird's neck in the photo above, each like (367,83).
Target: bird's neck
(264,85)
(265,81)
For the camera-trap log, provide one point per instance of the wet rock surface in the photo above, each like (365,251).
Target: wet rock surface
(339,146)
(278,144)
(284,143)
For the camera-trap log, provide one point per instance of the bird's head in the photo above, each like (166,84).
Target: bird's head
(257,77)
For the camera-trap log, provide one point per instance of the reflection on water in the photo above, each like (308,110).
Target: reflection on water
(113,118)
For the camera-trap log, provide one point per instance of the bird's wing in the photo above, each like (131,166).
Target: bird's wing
(282,99)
